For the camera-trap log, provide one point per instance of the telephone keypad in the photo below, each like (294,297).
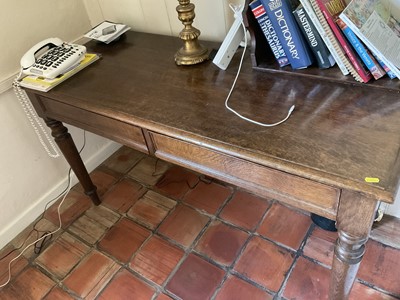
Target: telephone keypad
(56,59)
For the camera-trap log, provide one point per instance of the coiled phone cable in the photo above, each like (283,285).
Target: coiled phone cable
(34,119)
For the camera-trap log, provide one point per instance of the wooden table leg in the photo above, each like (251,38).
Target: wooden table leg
(71,154)
(354,220)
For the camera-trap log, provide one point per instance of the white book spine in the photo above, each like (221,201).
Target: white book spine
(373,49)
(311,13)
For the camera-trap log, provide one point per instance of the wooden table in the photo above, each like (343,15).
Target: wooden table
(339,133)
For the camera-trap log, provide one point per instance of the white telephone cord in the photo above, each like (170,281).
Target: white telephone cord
(34,119)
(238,14)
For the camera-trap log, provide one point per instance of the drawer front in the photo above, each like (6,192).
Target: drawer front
(118,131)
(293,190)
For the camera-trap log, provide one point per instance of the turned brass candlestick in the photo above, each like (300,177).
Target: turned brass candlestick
(192,52)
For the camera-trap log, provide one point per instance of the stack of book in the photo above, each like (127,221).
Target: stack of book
(362,38)
(44,84)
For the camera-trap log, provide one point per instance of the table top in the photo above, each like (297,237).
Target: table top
(338,133)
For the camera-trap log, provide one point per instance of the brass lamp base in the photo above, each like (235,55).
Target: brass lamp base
(192,51)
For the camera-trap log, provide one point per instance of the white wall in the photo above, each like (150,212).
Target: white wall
(28,178)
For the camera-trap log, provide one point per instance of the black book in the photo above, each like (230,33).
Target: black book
(321,53)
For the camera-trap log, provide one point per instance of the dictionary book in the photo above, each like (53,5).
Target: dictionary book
(289,34)
(266,26)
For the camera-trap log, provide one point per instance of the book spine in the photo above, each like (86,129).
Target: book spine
(296,48)
(362,37)
(370,62)
(266,26)
(317,46)
(325,35)
(364,74)
(385,67)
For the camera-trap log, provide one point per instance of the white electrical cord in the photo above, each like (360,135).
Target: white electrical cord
(34,119)
(64,194)
(237,10)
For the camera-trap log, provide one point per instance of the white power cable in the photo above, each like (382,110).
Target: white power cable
(237,10)
(43,236)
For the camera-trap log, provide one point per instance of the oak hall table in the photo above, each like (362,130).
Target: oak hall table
(339,133)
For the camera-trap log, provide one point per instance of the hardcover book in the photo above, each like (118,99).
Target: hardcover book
(289,34)
(331,10)
(327,35)
(377,24)
(266,26)
(317,46)
(366,56)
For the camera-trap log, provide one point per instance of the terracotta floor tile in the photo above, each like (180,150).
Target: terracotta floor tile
(31,284)
(149,170)
(87,229)
(196,279)
(151,209)
(208,196)
(183,225)
(102,180)
(222,243)
(30,235)
(94,223)
(238,289)
(124,239)
(156,259)
(307,281)
(74,205)
(163,297)
(264,263)
(127,286)
(17,266)
(387,231)
(285,226)
(244,210)
(102,215)
(58,293)
(320,245)
(177,181)
(363,292)
(91,275)
(62,255)
(381,267)
(123,195)
(123,159)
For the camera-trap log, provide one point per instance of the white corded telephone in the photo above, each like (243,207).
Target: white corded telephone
(48,58)
(57,59)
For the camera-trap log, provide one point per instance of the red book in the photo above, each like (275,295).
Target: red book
(331,10)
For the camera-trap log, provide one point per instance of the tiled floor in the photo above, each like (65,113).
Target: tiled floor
(163,232)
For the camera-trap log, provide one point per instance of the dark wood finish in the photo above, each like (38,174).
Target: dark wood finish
(71,154)
(354,221)
(338,134)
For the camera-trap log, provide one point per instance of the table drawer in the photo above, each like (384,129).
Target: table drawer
(264,181)
(116,130)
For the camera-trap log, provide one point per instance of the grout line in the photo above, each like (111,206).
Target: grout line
(298,253)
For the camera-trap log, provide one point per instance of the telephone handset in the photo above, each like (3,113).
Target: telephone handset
(48,58)
(51,57)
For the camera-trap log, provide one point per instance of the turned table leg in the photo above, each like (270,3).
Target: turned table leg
(71,154)
(354,220)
